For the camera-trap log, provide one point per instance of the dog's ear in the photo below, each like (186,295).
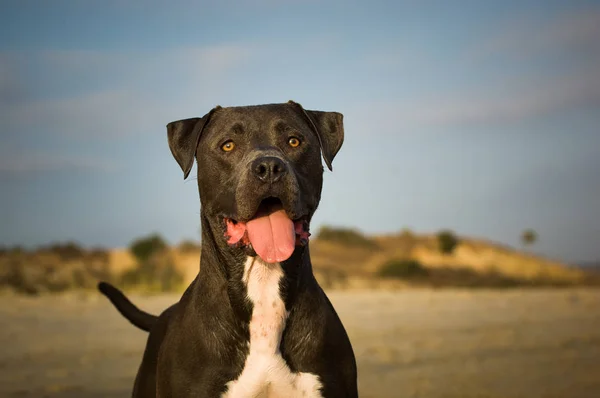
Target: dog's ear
(329,127)
(184,136)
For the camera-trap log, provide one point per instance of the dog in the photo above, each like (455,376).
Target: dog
(254,322)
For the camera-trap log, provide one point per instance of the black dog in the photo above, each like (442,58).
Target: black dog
(254,322)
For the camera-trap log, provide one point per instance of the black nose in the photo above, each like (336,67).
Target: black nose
(269,169)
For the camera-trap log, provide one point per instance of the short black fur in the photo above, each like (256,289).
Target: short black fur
(200,343)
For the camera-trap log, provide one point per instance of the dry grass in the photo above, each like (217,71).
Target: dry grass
(347,259)
(470,255)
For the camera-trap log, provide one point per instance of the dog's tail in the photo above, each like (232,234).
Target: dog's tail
(133,314)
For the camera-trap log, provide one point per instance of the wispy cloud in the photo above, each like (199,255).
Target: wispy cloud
(141,91)
(575,31)
(100,115)
(508,95)
(191,61)
(519,100)
(10,89)
(26,162)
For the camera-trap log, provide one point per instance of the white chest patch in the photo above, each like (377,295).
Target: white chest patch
(265,374)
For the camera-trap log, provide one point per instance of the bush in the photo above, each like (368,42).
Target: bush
(65,251)
(99,254)
(451,277)
(407,233)
(15,251)
(345,236)
(328,277)
(402,269)
(156,269)
(144,248)
(188,246)
(447,241)
(157,273)
(46,270)
(465,277)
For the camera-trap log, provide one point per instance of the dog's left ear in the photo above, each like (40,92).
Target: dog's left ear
(329,127)
(184,136)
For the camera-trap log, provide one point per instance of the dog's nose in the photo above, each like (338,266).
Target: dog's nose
(269,169)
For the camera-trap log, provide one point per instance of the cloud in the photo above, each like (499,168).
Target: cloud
(190,61)
(528,100)
(517,100)
(10,89)
(101,115)
(112,94)
(524,69)
(574,31)
(25,162)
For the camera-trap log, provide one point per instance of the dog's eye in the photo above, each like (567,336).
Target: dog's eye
(294,142)
(228,146)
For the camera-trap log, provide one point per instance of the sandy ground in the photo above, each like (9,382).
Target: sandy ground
(419,343)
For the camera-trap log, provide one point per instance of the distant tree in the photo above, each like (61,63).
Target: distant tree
(529,237)
(144,248)
(447,241)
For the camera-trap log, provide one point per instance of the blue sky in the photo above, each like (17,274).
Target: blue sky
(482,117)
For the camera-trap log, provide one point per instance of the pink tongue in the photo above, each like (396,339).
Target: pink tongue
(272,236)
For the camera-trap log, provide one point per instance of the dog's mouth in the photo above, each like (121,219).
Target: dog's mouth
(271,233)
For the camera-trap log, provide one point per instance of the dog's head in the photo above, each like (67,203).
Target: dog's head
(259,171)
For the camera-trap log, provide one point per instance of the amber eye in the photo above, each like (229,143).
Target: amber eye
(228,146)
(294,142)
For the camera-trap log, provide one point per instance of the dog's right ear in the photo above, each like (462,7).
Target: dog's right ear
(184,136)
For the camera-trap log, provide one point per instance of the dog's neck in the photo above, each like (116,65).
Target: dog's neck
(223,265)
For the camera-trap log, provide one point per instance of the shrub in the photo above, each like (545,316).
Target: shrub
(16,250)
(144,248)
(447,241)
(331,277)
(54,268)
(189,246)
(45,271)
(66,251)
(156,269)
(99,254)
(407,233)
(19,274)
(157,273)
(465,277)
(402,269)
(345,236)
(170,278)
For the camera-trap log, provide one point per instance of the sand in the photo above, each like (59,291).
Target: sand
(414,343)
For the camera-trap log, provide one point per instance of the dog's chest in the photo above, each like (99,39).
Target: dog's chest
(265,372)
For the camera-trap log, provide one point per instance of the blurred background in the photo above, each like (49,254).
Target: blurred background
(465,200)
